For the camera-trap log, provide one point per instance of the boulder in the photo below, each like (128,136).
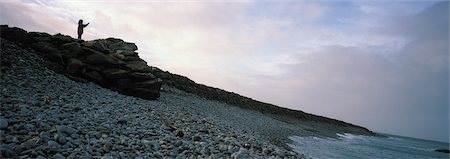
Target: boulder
(126,53)
(119,44)
(115,73)
(70,50)
(443,150)
(15,34)
(98,58)
(118,56)
(139,76)
(95,76)
(149,84)
(138,67)
(142,93)
(49,51)
(97,45)
(74,66)
(42,37)
(60,39)
(110,45)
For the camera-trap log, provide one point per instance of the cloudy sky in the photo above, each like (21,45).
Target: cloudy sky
(383,65)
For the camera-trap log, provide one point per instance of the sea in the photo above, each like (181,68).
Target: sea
(349,146)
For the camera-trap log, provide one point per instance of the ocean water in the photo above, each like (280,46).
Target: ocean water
(350,146)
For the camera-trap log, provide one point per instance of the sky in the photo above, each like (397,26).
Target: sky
(380,64)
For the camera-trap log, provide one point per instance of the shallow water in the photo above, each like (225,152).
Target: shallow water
(358,146)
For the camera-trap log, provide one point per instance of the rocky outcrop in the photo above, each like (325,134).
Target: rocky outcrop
(443,150)
(111,63)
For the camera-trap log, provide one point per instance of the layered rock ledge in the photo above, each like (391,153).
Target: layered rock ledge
(111,63)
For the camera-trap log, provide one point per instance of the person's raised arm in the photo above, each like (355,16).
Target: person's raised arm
(86,25)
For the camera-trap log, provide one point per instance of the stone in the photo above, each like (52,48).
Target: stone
(73,47)
(154,84)
(3,123)
(98,58)
(53,145)
(118,56)
(44,136)
(58,156)
(179,133)
(138,67)
(29,144)
(142,76)
(60,138)
(241,154)
(15,34)
(38,36)
(6,150)
(59,39)
(70,50)
(443,150)
(144,93)
(94,76)
(49,51)
(66,129)
(196,138)
(74,66)
(114,73)
(107,157)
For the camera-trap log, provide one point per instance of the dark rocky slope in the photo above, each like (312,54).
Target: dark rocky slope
(112,63)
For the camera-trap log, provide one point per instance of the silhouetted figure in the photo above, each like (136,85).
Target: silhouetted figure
(81,26)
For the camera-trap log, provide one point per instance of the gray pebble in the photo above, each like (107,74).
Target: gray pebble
(3,123)
(65,129)
(58,156)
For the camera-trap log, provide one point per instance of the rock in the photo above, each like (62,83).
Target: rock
(443,150)
(179,133)
(196,138)
(49,51)
(70,50)
(6,150)
(142,93)
(114,73)
(74,66)
(139,76)
(241,154)
(280,153)
(29,144)
(52,145)
(37,36)
(15,34)
(94,76)
(58,156)
(107,157)
(178,143)
(118,56)
(60,138)
(59,39)
(44,136)
(3,123)
(73,47)
(29,127)
(98,58)
(66,129)
(110,45)
(118,44)
(154,84)
(138,67)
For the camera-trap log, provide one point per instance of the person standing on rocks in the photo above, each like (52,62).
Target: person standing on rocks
(81,26)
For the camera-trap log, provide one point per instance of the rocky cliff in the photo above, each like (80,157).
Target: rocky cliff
(111,63)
